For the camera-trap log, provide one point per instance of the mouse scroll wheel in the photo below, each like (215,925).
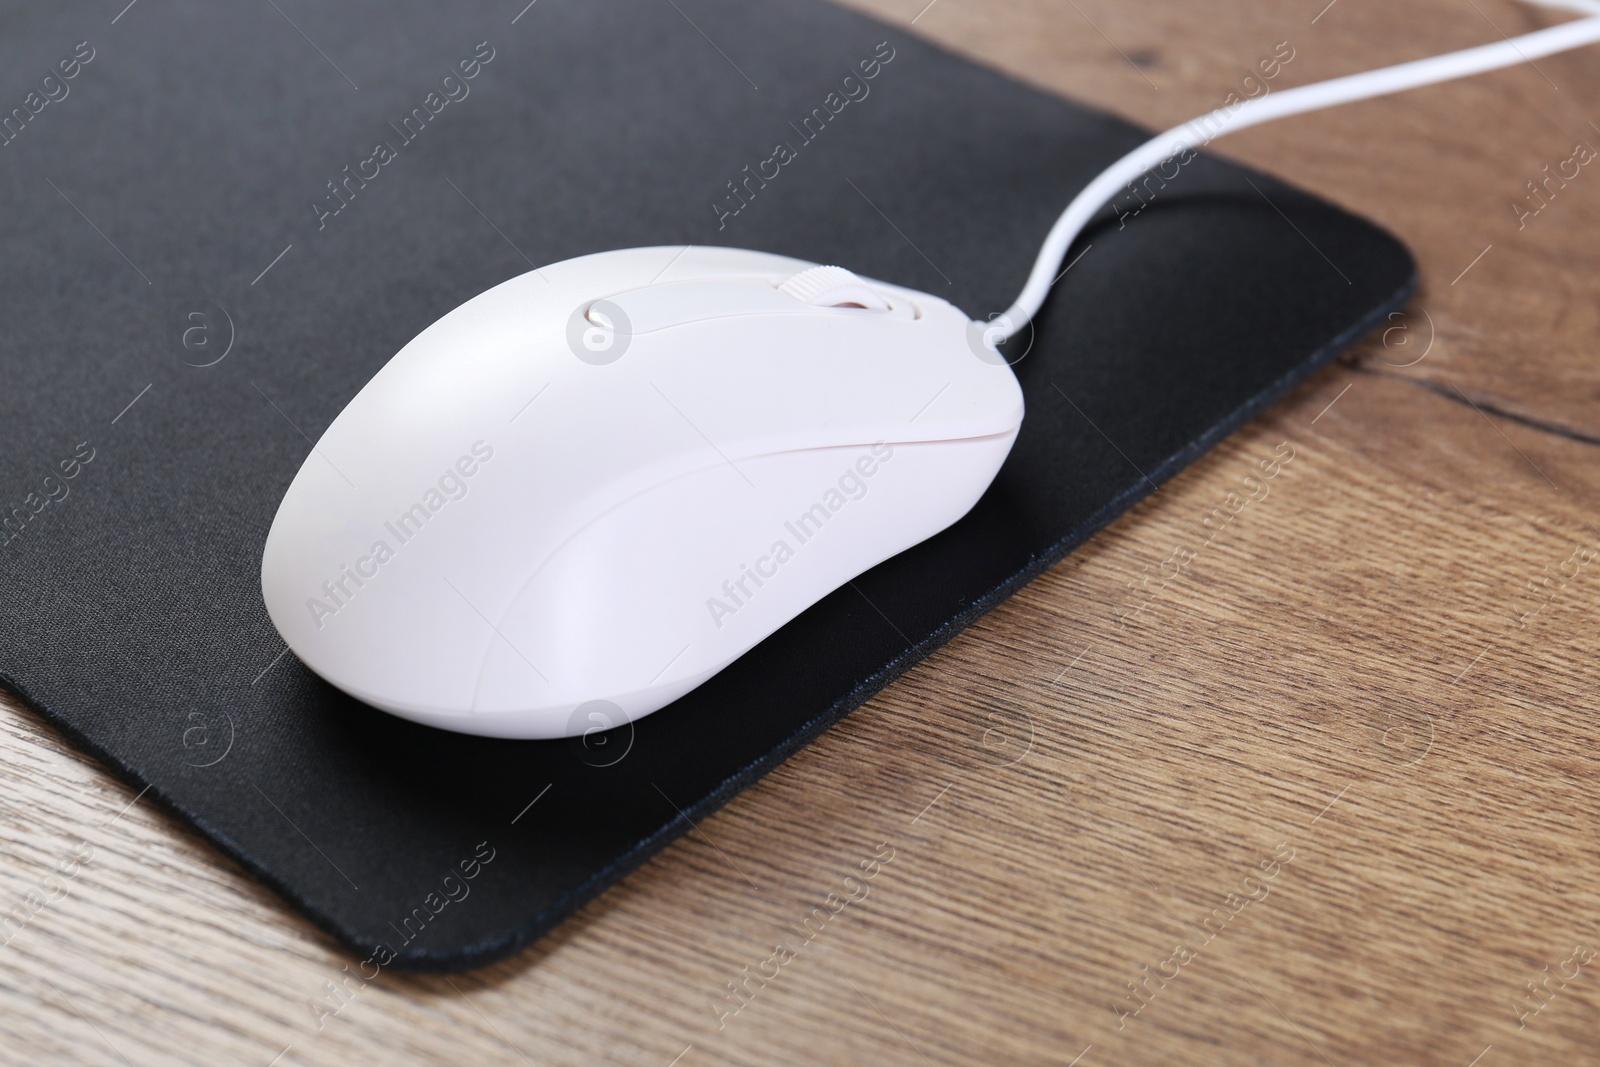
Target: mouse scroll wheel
(833,287)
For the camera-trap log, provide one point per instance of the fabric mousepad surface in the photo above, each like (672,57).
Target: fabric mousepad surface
(210,239)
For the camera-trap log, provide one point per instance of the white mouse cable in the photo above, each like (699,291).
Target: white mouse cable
(1205,129)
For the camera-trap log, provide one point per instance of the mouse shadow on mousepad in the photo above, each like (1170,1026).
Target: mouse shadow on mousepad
(264,238)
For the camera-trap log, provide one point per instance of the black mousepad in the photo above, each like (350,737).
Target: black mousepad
(217,222)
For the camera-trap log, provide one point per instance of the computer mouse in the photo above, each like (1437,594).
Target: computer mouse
(601,482)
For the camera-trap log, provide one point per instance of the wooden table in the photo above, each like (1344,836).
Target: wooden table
(1327,799)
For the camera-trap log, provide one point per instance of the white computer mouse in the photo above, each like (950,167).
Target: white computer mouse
(599,483)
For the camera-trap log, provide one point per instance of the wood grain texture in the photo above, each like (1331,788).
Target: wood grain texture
(1363,707)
